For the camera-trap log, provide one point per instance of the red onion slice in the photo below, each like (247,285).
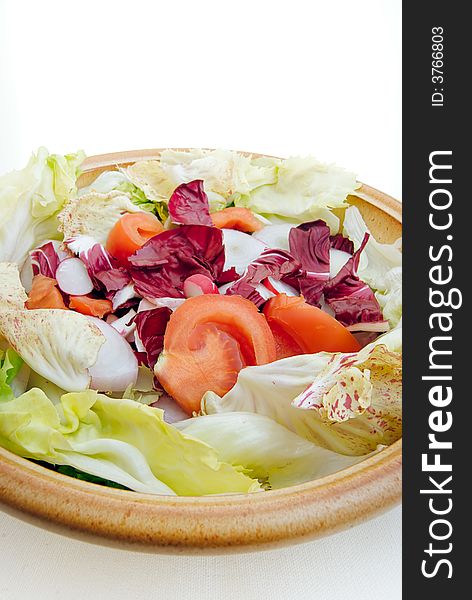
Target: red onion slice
(72,277)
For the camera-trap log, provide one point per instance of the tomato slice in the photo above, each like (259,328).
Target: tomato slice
(234,217)
(44,293)
(93,307)
(298,325)
(131,232)
(208,340)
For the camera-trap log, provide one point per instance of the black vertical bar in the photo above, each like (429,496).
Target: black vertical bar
(436,121)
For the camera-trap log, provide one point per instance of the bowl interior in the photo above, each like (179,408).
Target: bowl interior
(277,516)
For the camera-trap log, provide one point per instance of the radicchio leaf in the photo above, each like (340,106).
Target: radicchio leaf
(352,300)
(188,205)
(161,266)
(339,242)
(309,245)
(275,263)
(150,327)
(103,269)
(44,260)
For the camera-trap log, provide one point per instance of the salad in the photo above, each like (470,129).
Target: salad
(204,323)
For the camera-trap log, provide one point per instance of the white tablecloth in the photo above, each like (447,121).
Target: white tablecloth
(361,563)
(283,78)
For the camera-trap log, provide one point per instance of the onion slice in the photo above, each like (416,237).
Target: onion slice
(241,249)
(116,366)
(72,277)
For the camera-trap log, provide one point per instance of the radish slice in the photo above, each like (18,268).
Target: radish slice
(123,325)
(172,411)
(275,236)
(116,366)
(377,326)
(241,249)
(72,277)
(122,296)
(198,285)
(337,260)
(171,303)
(279,287)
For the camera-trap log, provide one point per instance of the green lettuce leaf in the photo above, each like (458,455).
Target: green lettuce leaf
(30,200)
(269,451)
(303,190)
(117,440)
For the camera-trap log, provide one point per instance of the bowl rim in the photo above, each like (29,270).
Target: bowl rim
(296,513)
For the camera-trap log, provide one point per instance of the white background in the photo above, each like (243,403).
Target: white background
(298,77)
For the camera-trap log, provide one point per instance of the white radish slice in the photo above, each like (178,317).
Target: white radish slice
(116,367)
(171,303)
(73,278)
(172,411)
(122,296)
(279,287)
(275,236)
(337,260)
(241,249)
(198,285)
(377,326)
(122,325)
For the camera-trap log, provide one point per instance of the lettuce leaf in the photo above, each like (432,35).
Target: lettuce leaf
(30,200)
(60,345)
(94,215)
(276,389)
(269,451)
(118,440)
(303,188)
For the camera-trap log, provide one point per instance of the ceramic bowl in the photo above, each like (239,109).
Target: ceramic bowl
(271,518)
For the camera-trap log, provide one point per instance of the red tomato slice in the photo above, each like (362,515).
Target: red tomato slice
(208,340)
(131,232)
(45,294)
(296,324)
(93,307)
(234,217)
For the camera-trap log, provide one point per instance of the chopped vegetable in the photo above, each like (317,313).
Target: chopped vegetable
(72,277)
(297,324)
(93,307)
(130,233)
(196,285)
(238,218)
(208,340)
(188,205)
(45,294)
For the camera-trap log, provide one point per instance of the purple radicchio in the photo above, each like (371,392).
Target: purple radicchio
(188,205)
(161,266)
(352,300)
(309,245)
(45,260)
(150,328)
(275,263)
(103,269)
